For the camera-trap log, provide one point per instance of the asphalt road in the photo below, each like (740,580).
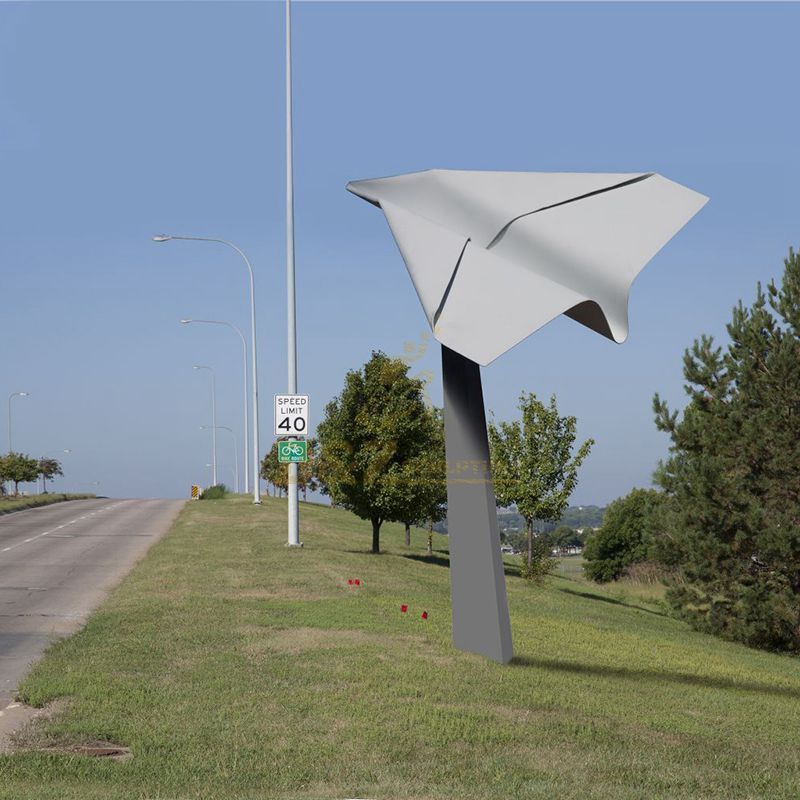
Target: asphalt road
(56,564)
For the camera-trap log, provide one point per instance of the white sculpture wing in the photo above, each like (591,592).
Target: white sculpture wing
(496,255)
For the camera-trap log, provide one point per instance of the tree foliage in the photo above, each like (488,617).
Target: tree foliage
(371,433)
(734,474)
(216,492)
(48,469)
(564,536)
(420,484)
(277,474)
(533,465)
(18,468)
(628,535)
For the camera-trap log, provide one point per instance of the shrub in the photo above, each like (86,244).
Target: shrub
(216,492)
(540,562)
(626,536)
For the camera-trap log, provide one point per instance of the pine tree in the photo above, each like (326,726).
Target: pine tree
(734,474)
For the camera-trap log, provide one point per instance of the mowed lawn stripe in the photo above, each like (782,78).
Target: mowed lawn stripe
(235,667)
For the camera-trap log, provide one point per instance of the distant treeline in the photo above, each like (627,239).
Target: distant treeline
(576,517)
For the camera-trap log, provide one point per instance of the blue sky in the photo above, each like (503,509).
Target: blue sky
(120,120)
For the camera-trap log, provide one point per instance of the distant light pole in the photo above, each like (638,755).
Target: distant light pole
(235,451)
(244,367)
(213,422)
(67,452)
(10,398)
(166,238)
(291,493)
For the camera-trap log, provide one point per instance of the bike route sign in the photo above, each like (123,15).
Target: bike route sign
(293,452)
(291,414)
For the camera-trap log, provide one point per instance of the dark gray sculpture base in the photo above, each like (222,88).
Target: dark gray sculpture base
(477,581)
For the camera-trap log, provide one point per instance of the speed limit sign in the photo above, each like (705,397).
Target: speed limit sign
(291,414)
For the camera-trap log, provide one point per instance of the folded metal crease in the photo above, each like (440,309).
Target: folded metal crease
(590,311)
(439,310)
(576,199)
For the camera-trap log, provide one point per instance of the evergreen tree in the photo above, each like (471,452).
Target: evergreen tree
(734,474)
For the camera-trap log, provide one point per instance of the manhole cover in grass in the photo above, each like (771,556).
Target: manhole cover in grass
(93,750)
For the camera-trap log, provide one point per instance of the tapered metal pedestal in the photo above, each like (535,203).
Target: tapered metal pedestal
(477,581)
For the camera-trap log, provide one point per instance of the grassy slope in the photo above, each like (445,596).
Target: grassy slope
(625,589)
(237,668)
(10,504)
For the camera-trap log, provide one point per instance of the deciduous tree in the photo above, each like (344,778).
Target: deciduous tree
(371,431)
(48,469)
(18,468)
(277,474)
(421,483)
(533,466)
(628,535)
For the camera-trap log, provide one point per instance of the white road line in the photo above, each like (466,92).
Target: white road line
(46,533)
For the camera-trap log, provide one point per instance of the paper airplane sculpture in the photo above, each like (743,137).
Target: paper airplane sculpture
(494,256)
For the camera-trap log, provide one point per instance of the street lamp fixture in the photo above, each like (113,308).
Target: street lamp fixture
(235,451)
(213,420)
(10,398)
(244,368)
(163,237)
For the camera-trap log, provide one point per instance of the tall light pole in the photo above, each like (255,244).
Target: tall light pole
(244,368)
(213,422)
(166,238)
(67,452)
(235,451)
(10,398)
(294,516)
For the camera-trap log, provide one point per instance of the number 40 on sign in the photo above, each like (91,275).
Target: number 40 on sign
(291,414)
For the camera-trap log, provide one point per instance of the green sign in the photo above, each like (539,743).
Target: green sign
(292,452)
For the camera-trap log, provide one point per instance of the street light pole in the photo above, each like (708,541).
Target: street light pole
(10,397)
(166,238)
(213,423)
(294,516)
(235,451)
(244,367)
(66,451)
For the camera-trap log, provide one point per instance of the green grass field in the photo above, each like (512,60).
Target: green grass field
(11,504)
(235,667)
(625,589)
